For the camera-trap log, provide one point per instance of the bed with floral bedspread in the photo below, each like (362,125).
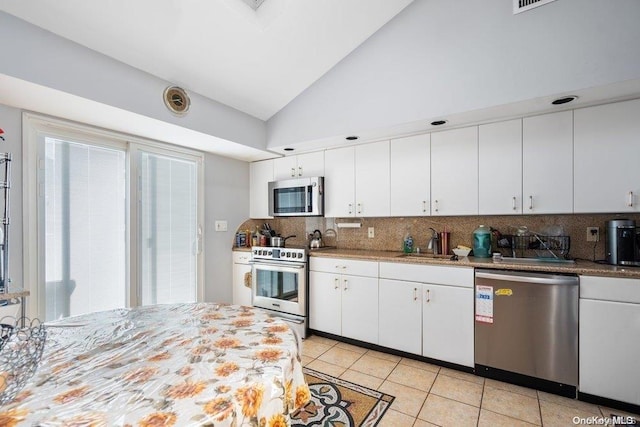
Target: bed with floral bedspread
(164,365)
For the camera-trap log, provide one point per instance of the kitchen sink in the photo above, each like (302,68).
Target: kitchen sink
(416,255)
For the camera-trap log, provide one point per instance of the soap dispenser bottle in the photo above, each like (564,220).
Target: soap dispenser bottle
(407,243)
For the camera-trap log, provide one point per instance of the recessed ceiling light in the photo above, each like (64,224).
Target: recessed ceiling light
(289,149)
(352,138)
(438,122)
(564,100)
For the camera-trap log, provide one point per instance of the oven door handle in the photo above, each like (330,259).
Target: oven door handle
(285,264)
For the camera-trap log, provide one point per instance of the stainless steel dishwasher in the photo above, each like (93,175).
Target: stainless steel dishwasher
(526,329)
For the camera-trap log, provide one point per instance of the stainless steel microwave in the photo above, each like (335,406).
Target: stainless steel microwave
(297,197)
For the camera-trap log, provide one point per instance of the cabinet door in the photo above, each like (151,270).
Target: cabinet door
(609,349)
(454,172)
(360,308)
(606,155)
(241,292)
(400,315)
(310,164)
(261,173)
(447,324)
(325,294)
(410,171)
(285,168)
(500,168)
(547,163)
(372,179)
(339,182)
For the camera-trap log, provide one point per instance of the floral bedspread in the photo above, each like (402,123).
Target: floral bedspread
(164,365)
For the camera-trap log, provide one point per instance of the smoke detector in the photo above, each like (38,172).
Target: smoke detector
(176,100)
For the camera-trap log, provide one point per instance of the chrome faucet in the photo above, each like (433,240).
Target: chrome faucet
(434,242)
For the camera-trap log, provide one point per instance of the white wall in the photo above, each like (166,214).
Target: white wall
(226,198)
(441,57)
(32,54)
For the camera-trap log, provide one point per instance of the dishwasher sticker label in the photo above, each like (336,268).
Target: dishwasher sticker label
(504,292)
(484,304)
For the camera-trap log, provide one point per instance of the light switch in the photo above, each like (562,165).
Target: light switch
(221,225)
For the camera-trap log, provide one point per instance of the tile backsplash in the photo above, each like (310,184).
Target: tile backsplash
(389,232)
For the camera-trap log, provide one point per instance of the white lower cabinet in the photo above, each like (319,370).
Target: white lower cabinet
(400,315)
(241,279)
(431,319)
(609,331)
(341,302)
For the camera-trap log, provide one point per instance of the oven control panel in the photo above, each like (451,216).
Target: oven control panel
(284,254)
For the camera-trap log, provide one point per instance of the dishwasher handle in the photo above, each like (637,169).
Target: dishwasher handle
(529,278)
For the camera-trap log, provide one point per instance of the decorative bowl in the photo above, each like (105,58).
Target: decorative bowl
(461,252)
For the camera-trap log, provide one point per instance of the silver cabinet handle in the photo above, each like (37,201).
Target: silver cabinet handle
(299,170)
(293,172)
(415,294)
(428,295)
(530,203)
(436,205)
(336,282)
(345,284)
(350,208)
(630,204)
(359,207)
(514,203)
(424,206)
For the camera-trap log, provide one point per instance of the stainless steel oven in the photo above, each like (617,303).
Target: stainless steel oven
(279,284)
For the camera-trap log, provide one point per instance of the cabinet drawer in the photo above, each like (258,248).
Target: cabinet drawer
(241,257)
(344,266)
(610,289)
(436,274)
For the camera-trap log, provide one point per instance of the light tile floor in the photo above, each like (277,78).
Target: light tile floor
(428,395)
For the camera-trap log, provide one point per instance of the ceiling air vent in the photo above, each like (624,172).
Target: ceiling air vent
(254,4)
(524,5)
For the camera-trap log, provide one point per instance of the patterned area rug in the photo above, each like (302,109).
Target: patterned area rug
(335,402)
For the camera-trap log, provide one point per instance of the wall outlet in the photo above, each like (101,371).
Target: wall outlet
(371,233)
(593,234)
(221,225)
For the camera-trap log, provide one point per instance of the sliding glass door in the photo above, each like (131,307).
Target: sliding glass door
(168,228)
(115,220)
(85,218)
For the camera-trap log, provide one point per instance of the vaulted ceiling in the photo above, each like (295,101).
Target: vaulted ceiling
(256,61)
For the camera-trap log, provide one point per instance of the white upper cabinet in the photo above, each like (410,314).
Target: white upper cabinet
(357,181)
(607,151)
(372,179)
(547,163)
(302,165)
(260,175)
(339,182)
(454,172)
(410,171)
(500,168)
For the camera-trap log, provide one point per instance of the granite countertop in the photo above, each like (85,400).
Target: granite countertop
(580,267)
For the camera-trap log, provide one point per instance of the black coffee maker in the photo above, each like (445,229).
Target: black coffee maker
(622,244)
